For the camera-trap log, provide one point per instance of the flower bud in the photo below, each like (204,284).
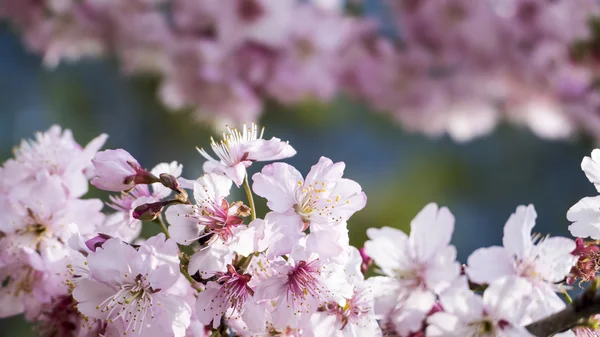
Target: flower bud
(116,170)
(97,241)
(169,181)
(366,260)
(148,212)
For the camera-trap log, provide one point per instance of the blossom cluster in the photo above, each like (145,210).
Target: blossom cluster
(464,66)
(220,269)
(220,58)
(454,67)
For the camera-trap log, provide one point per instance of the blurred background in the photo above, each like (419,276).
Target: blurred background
(482,182)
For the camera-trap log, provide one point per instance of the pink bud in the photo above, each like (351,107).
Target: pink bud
(97,241)
(116,170)
(169,181)
(148,212)
(366,260)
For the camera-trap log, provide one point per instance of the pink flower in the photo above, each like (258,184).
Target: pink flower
(129,288)
(416,267)
(302,284)
(323,201)
(41,220)
(117,170)
(57,154)
(228,295)
(28,282)
(212,221)
(238,150)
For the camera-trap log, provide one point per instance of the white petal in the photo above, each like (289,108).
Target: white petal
(255,316)
(385,292)
(182,227)
(430,231)
(282,232)
(325,171)
(460,301)
(386,247)
(210,260)
(442,324)
(507,298)
(207,308)
(485,265)
(555,258)
(277,183)
(90,294)
(517,231)
(591,167)
(211,187)
(585,216)
(272,149)
(110,263)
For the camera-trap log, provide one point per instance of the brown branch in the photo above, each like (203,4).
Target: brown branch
(574,314)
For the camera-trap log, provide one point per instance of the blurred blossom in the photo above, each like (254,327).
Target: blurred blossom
(463,66)
(221,59)
(457,67)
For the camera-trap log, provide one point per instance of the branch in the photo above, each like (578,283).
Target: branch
(580,310)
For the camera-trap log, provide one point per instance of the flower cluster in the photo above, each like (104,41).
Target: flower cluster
(465,66)
(456,67)
(219,269)
(220,58)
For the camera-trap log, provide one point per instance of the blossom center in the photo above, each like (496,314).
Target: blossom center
(231,150)
(133,302)
(234,289)
(303,282)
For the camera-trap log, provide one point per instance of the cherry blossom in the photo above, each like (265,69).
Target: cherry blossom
(290,272)
(356,317)
(213,221)
(41,221)
(129,285)
(238,149)
(301,285)
(543,262)
(499,312)
(416,267)
(232,296)
(117,170)
(585,214)
(323,201)
(56,153)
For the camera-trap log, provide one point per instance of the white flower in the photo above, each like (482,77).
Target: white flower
(543,262)
(355,318)
(585,214)
(499,312)
(416,268)
(238,150)
(323,201)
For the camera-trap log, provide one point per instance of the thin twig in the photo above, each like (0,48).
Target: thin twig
(250,197)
